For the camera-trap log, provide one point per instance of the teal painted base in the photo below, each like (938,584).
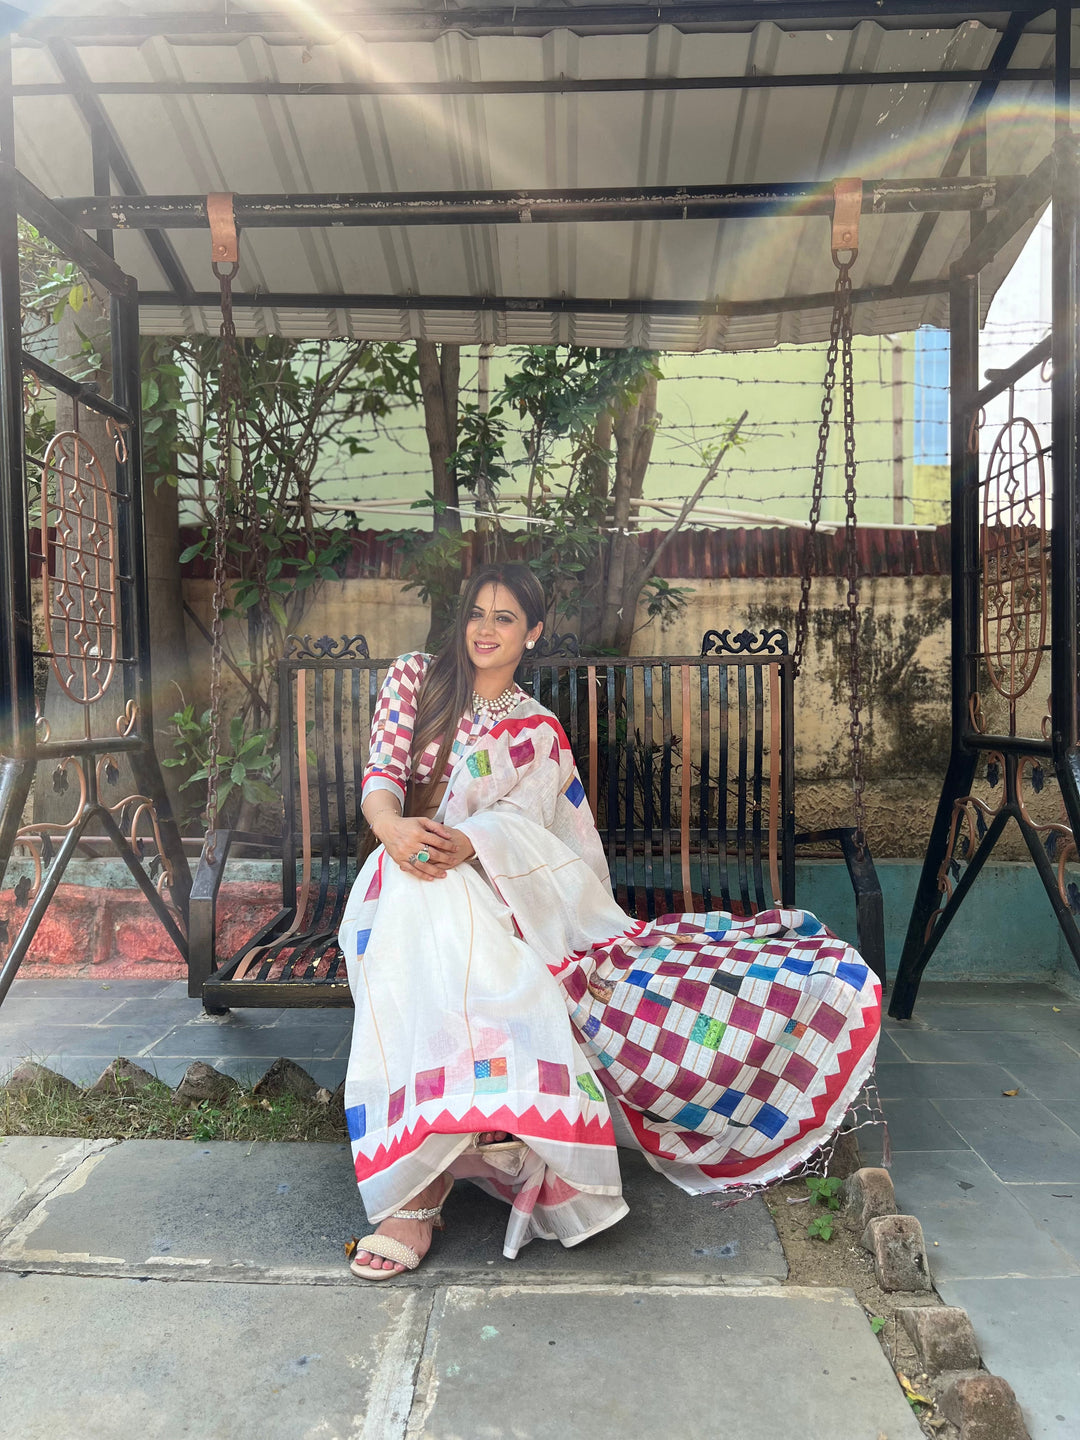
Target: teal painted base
(1005,930)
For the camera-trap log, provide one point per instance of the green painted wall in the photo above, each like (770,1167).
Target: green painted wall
(782,391)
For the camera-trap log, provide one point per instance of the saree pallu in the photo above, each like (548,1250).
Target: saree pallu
(515,995)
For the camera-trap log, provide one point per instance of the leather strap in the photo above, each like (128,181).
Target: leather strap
(389,1249)
(224,244)
(847,208)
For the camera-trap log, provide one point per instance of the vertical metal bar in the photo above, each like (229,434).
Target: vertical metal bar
(704,847)
(963,402)
(775,766)
(16,637)
(647,796)
(594,755)
(357,736)
(741,801)
(612,776)
(628,789)
(723,817)
(291,734)
(341,859)
(322,785)
(756,785)
(665,785)
(898,433)
(684,794)
(787,778)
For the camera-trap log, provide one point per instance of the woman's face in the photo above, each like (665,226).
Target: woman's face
(496,630)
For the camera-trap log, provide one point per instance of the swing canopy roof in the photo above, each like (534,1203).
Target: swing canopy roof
(677,131)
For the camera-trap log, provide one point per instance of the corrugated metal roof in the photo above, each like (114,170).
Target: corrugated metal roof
(302,143)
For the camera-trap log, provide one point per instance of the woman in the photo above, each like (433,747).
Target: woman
(512,1023)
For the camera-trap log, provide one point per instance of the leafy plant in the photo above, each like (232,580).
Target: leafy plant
(820,1228)
(243,761)
(878,1323)
(824,1191)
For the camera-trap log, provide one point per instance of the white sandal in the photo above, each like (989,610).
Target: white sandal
(505,1155)
(387,1248)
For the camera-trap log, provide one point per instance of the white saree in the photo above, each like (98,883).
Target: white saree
(516,995)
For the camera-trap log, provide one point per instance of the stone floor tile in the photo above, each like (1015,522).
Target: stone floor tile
(92,1009)
(979,1226)
(783,1345)
(1050,1082)
(919,1125)
(900,1080)
(888,1048)
(990,992)
(256,1042)
(1067,1110)
(39,1042)
(88,985)
(1057,1210)
(272,1209)
(1019,1138)
(221,1362)
(1017,1051)
(156,1010)
(1027,1332)
(1001,1018)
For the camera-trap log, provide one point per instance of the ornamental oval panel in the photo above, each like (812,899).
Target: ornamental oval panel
(1013,544)
(81,580)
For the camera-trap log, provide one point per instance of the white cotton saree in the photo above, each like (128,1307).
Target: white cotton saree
(516,995)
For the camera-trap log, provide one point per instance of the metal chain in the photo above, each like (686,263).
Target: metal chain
(851,558)
(809,565)
(228,397)
(840,348)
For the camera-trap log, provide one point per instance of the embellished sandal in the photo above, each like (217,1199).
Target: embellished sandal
(396,1251)
(506,1155)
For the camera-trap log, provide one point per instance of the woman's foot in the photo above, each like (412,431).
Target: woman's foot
(416,1234)
(493,1137)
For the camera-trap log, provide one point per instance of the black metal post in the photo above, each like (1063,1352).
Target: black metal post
(963,393)
(1065,428)
(135,615)
(16,633)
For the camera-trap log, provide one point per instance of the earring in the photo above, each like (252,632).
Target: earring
(529,644)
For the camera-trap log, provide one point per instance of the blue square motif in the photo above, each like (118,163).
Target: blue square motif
(798,967)
(639,977)
(481,1069)
(761,972)
(591,1026)
(575,792)
(769,1121)
(362,938)
(809,926)
(851,974)
(728,1102)
(356,1120)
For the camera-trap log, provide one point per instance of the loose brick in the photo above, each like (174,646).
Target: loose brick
(943,1337)
(285,1077)
(983,1407)
(32,1076)
(899,1251)
(869,1193)
(202,1082)
(121,1077)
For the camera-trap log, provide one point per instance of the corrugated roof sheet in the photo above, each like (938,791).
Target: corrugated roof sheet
(191,144)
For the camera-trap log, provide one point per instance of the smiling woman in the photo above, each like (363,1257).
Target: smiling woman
(512,1023)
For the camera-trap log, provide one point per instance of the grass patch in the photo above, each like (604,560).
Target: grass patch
(152,1114)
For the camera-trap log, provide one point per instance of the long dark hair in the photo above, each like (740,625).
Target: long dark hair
(448,684)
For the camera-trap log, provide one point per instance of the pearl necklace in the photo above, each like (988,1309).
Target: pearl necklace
(498,708)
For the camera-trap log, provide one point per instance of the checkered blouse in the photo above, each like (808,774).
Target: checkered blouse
(390,763)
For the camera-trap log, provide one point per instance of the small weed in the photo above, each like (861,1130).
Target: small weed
(825,1190)
(820,1228)
(877,1323)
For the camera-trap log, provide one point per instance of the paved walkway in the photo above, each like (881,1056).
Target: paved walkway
(994,1178)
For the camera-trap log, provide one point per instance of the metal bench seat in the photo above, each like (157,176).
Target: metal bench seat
(687,762)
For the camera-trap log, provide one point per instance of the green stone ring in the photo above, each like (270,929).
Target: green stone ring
(422,857)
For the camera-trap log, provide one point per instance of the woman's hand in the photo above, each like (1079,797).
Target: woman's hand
(405,837)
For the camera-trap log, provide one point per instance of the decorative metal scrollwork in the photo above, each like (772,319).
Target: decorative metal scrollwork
(349,647)
(551,647)
(1013,545)
(744,642)
(81,586)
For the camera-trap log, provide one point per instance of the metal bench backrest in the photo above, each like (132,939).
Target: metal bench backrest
(687,764)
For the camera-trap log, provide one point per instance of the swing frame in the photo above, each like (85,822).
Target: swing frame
(1015,200)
